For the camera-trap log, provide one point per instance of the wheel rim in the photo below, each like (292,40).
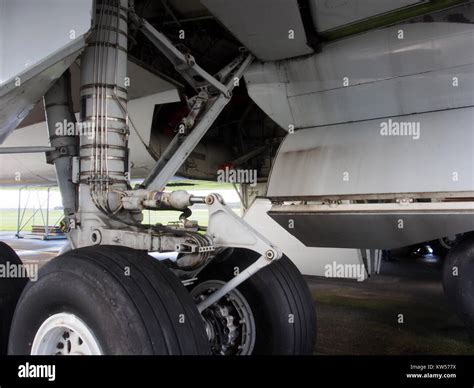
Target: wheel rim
(230,324)
(66,335)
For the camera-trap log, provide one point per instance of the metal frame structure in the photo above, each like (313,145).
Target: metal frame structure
(45,217)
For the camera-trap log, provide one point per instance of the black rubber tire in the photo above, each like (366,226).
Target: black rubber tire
(274,293)
(460,289)
(10,291)
(402,252)
(440,249)
(140,312)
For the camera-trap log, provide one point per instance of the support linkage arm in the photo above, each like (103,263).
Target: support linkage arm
(185,64)
(205,107)
(227,229)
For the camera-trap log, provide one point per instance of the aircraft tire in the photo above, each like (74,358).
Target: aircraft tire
(10,291)
(458,279)
(279,299)
(107,300)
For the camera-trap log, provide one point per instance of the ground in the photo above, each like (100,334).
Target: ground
(360,318)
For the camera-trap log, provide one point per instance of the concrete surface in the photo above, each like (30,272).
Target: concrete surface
(32,251)
(359,317)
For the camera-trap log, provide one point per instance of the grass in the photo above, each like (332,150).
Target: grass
(174,185)
(421,332)
(198,185)
(163,217)
(8,218)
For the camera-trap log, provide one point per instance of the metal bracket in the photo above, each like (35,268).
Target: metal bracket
(227,229)
(60,152)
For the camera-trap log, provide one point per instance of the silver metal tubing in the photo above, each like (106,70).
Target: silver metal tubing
(25,150)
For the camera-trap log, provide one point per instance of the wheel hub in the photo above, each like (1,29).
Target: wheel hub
(230,324)
(65,334)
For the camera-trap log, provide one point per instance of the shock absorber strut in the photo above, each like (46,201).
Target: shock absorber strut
(104,119)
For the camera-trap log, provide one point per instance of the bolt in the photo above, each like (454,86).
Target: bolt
(269,254)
